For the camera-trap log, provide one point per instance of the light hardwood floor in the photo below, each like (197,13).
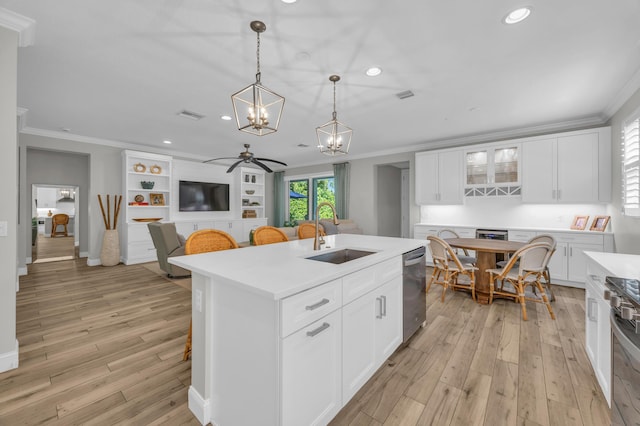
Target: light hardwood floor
(103,346)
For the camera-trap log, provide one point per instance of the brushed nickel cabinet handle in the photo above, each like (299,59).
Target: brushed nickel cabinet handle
(318,330)
(317,305)
(379,300)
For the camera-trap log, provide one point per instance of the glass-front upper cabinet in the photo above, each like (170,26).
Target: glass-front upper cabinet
(493,166)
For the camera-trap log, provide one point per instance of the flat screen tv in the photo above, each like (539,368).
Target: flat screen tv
(203,196)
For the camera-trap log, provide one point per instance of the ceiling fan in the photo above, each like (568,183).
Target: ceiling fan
(247,157)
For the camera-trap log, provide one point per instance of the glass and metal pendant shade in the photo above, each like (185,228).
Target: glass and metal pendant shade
(334,137)
(256,108)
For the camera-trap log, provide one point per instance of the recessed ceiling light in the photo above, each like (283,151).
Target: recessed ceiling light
(289,1)
(167,142)
(517,15)
(374,71)
(225,117)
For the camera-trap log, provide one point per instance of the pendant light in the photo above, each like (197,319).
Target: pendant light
(334,137)
(256,108)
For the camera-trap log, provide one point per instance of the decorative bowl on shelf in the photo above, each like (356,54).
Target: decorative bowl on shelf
(147,184)
(250,191)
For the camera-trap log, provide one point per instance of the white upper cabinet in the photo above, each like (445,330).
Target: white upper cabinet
(571,168)
(492,170)
(439,177)
(492,166)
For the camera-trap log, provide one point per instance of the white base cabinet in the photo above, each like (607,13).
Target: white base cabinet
(311,381)
(312,344)
(598,326)
(372,328)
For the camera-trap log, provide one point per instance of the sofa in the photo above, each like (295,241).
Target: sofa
(168,243)
(345,226)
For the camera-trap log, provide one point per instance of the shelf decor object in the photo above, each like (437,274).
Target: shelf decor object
(139,168)
(599,223)
(256,108)
(110,252)
(334,137)
(155,169)
(157,199)
(147,184)
(580,222)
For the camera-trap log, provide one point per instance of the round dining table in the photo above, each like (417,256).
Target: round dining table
(486,250)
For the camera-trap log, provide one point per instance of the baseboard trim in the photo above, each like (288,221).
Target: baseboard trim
(93,262)
(22,271)
(199,406)
(83,254)
(9,360)
(28,260)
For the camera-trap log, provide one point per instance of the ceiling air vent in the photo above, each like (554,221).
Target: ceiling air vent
(190,114)
(404,95)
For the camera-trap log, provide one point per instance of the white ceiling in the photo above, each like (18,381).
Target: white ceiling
(121,70)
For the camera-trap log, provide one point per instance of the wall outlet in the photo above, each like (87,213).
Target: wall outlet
(197,296)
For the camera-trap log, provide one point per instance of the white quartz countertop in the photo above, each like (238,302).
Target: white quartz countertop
(618,264)
(281,270)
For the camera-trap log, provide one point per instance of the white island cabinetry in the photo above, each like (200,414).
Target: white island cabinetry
(294,335)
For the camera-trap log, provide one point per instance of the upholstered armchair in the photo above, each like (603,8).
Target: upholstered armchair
(168,244)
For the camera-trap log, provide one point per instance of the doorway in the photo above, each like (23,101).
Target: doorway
(392,199)
(51,242)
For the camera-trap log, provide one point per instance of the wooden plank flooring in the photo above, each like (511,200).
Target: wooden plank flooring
(103,346)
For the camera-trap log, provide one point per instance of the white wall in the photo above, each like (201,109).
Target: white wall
(363,197)
(627,229)
(105,177)
(9,195)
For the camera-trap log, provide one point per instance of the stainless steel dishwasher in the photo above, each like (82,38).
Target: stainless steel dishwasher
(414,297)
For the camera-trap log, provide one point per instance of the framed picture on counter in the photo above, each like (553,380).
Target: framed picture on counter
(580,222)
(600,223)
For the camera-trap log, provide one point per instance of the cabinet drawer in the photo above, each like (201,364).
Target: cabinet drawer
(138,233)
(361,282)
(578,238)
(303,308)
(465,232)
(521,236)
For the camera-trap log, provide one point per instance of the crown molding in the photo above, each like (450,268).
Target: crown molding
(521,133)
(24,26)
(623,95)
(107,142)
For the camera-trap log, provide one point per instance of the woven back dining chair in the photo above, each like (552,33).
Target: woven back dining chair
(524,269)
(308,230)
(205,241)
(448,269)
(269,235)
(463,254)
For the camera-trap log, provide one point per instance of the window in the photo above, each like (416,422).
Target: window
(631,166)
(305,193)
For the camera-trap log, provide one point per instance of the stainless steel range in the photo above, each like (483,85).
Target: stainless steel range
(624,297)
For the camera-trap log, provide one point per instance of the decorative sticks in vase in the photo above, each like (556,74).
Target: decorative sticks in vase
(117,201)
(110,253)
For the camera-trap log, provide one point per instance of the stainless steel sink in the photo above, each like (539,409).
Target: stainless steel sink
(341,256)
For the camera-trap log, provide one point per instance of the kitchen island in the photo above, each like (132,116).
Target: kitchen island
(280,339)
